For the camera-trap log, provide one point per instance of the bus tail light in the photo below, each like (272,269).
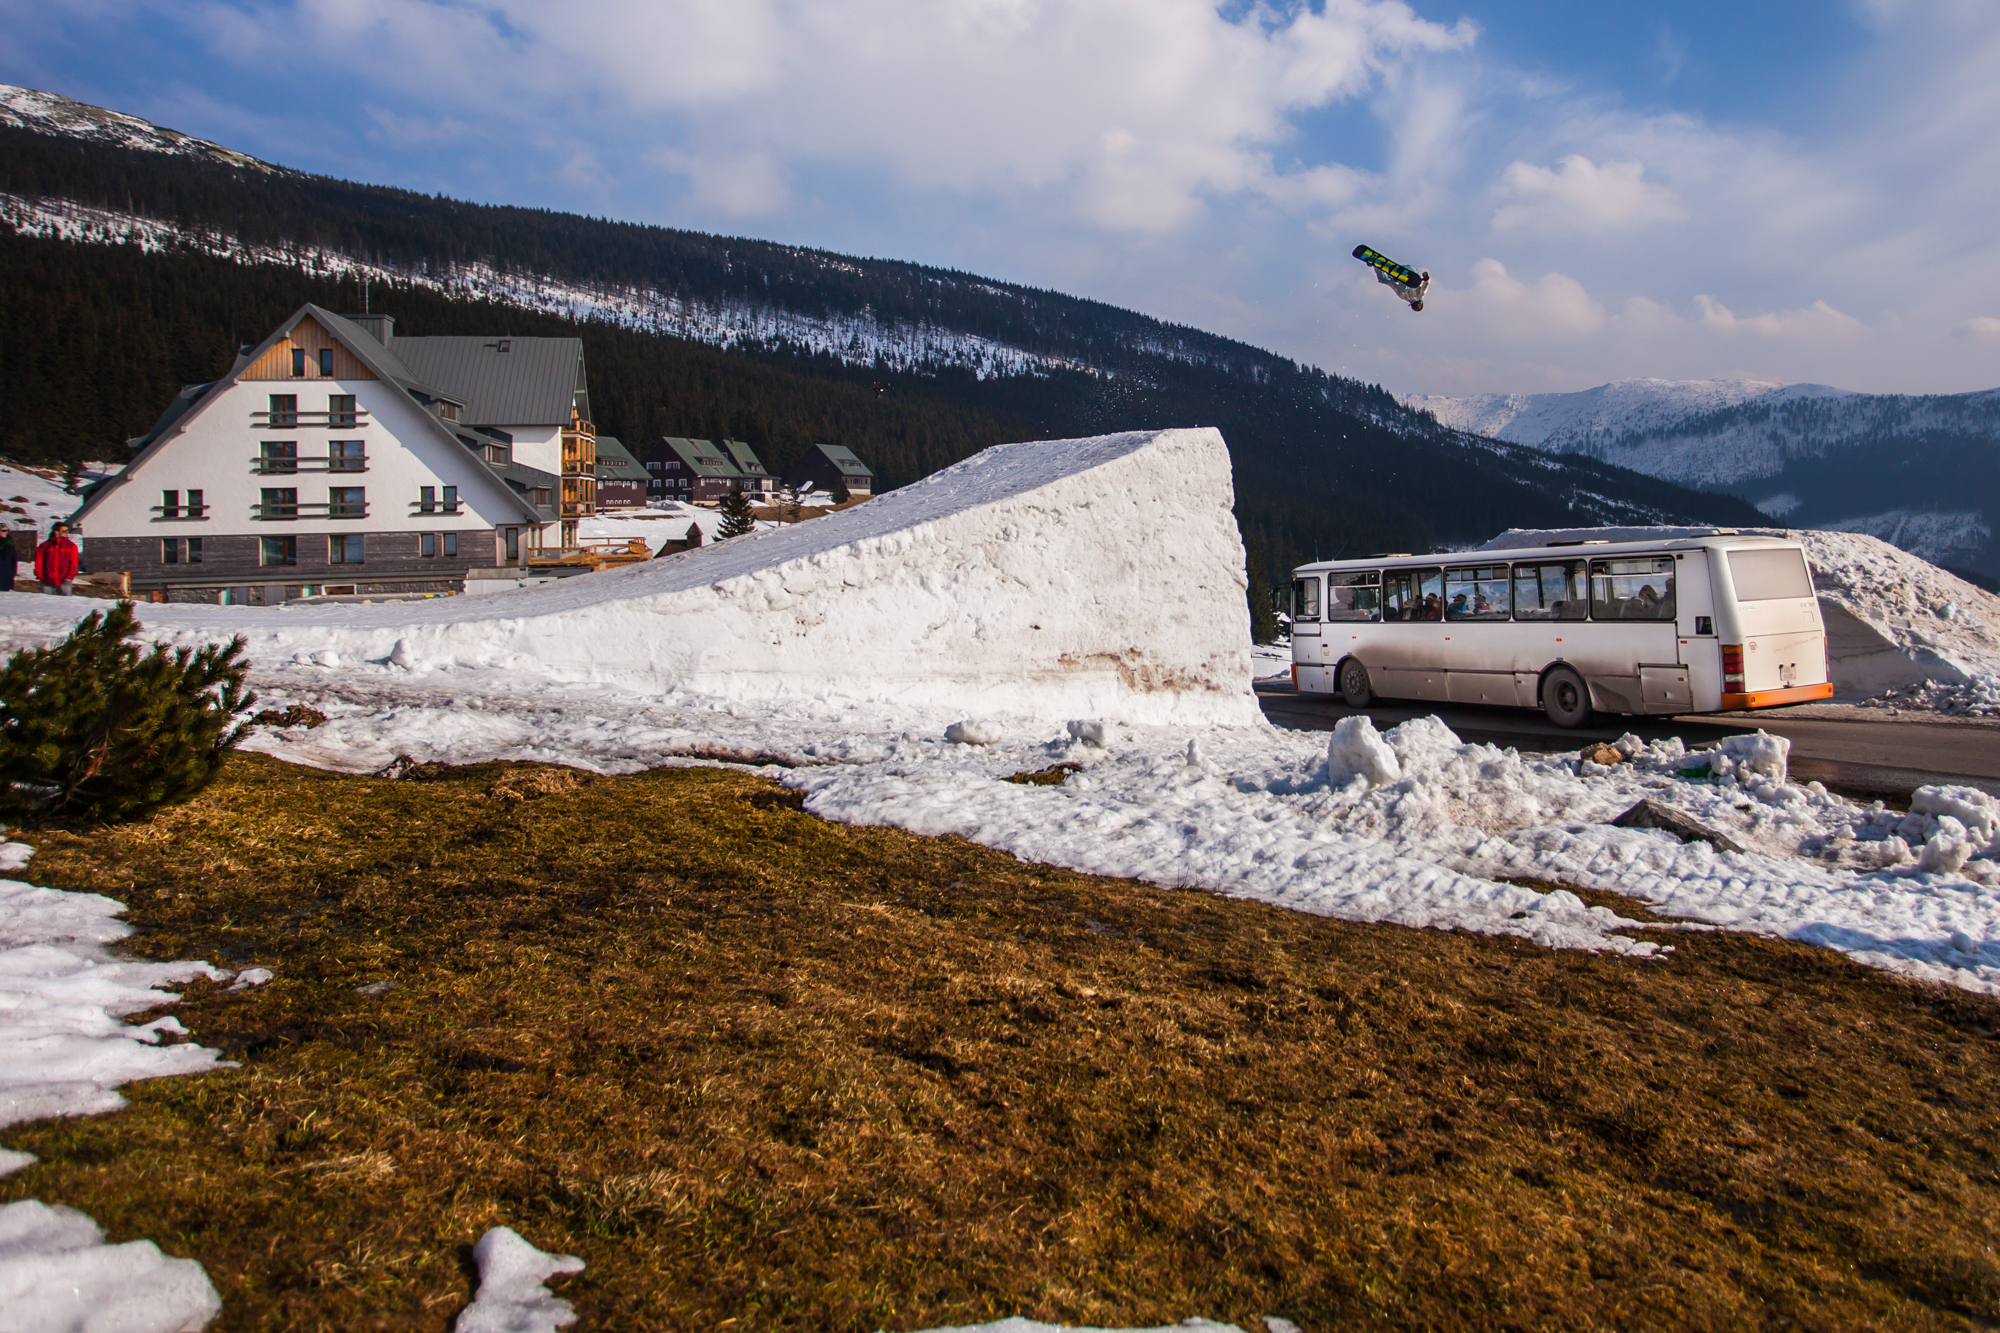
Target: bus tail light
(1732,668)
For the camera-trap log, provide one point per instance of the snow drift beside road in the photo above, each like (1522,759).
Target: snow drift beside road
(1099,577)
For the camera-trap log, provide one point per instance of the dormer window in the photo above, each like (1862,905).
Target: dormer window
(449,411)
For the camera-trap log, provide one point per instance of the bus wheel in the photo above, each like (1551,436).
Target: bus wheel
(1565,699)
(1354,687)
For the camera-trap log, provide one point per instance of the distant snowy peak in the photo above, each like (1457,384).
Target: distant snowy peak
(52,113)
(1618,409)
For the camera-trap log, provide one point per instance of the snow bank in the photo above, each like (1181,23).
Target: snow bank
(64,1052)
(56,1272)
(1893,621)
(511,1296)
(1099,577)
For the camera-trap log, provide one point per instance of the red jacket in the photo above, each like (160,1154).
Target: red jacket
(57,560)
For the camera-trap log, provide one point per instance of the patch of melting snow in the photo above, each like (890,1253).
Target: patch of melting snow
(512,1297)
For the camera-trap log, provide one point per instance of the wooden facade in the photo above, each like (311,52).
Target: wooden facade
(309,337)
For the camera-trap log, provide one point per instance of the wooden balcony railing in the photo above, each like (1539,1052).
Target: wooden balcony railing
(342,420)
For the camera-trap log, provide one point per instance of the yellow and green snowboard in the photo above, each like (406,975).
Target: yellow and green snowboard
(1409,284)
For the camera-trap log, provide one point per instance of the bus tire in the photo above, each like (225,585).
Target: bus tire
(1354,686)
(1566,699)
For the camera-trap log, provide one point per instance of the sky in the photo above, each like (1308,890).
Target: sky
(1786,190)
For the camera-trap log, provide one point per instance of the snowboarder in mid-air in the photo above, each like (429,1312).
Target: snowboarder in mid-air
(1409,284)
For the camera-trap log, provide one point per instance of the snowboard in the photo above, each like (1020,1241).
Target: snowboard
(1389,268)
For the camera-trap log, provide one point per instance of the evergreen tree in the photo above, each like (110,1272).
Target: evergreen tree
(93,728)
(841,495)
(736,516)
(1263,620)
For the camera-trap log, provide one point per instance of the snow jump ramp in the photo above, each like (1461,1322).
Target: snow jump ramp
(1098,578)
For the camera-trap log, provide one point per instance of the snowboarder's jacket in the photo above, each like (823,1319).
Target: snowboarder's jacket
(57,560)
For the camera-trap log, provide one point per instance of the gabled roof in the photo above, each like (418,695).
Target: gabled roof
(746,461)
(381,362)
(843,458)
(615,461)
(701,457)
(503,381)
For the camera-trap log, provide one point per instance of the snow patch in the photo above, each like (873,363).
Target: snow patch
(56,1272)
(511,1296)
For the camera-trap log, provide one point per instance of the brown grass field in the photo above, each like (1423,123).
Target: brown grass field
(766,1072)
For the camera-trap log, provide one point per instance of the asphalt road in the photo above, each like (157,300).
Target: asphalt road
(1870,754)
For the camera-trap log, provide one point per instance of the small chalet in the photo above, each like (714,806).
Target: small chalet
(621,480)
(757,481)
(335,457)
(695,471)
(827,467)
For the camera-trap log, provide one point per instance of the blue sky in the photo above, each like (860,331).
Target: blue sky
(1787,190)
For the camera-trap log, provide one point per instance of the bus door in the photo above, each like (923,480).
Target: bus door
(1634,664)
(1407,655)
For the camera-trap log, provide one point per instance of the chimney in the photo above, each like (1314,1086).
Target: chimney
(380,327)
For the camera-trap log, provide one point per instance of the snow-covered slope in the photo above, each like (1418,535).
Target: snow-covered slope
(1919,471)
(1099,577)
(52,113)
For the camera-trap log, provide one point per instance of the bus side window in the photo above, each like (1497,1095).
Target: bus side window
(1632,588)
(1477,592)
(1431,584)
(1305,599)
(1402,598)
(1555,591)
(1354,596)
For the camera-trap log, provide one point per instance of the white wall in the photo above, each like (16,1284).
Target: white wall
(216,451)
(536,446)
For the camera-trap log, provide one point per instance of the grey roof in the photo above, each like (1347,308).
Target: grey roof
(383,363)
(615,461)
(843,458)
(533,382)
(746,461)
(701,457)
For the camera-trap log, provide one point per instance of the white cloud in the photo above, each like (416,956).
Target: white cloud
(1579,196)
(1819,320)
(1984,326)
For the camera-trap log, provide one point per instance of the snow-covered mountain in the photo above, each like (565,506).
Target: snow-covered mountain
(52,113)
(1915,470)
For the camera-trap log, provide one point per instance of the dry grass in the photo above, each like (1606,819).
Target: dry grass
(764,1072)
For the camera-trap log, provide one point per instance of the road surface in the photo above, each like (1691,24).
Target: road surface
(1863,753)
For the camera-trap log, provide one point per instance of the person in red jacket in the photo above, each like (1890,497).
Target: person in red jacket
(57,560)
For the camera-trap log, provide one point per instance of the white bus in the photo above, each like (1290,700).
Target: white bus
(1687,625)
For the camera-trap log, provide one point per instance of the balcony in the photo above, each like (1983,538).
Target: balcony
(269,466)
(334,420)
(197,511)
(309,509)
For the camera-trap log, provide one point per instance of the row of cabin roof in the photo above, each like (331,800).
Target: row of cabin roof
(338,456)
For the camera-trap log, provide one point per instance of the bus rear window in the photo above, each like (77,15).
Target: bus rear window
(1766,576)
(1305,599)
(1634,588)
(1354,595)
(1555,591)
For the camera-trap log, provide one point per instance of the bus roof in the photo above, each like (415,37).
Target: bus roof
(1560,548)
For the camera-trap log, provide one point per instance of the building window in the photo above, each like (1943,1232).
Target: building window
(451,499)
(298,363)
(279,503)
(513,540)
(346,550)
(285,408)
(339,408)
(451,544)
(427,544)
(278,456)
(346,502)
(426,499)
(194,550)
(170,504)
(541,497)
(195,508)
(278,550)
(346,456)
(170,551)
(449,411)
(326,362)
(653,466)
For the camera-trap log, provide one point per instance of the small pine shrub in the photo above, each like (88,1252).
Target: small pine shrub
(93,728)
(841,495)
(736,516)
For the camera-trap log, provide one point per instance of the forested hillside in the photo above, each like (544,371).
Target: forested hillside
(95,338)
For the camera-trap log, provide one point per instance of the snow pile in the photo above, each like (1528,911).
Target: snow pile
(1936,537)
(1357,753)
(64,1052)
(1099,577)
(56,1272)
(511,1296)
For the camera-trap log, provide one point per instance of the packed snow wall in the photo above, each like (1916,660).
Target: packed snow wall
(1098,578)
